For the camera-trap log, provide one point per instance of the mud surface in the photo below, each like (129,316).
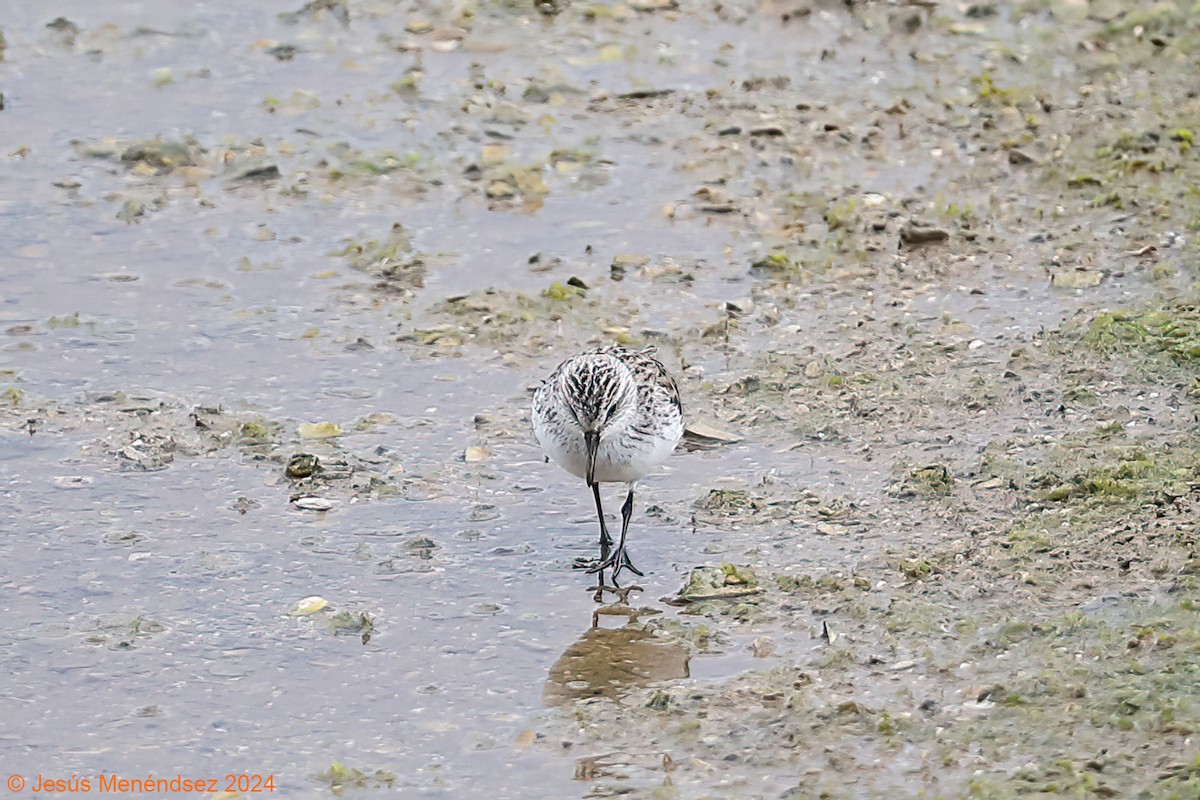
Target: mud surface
(276,286)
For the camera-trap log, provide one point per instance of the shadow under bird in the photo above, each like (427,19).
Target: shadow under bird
(609,415)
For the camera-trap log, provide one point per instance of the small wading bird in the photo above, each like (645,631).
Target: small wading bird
(609,415)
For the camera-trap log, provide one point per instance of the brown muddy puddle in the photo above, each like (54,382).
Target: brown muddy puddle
(170,319)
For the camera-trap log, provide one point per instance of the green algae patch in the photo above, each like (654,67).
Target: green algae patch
(717,583)
(257,431)
(843,213)
(69,321)
(341,777)
(1152,19)
(372,251)
(988,93)
(12,397)
(358,164)
(352,623)
(1022,543)
(916,569)
(932,480)
(486,315)
(778,261)
(564,292)
(1185,138)
(1137,674)
(319,430)
(504,316)
(1085,474)
(163,153)
(730,500)
(1173,330)
(807,585)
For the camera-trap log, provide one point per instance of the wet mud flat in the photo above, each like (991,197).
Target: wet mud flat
(278,286)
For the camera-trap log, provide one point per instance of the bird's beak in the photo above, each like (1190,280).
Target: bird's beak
(591,442)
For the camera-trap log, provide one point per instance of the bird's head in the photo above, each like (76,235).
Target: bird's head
(601,394)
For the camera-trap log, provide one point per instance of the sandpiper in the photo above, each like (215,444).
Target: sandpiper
(609,415)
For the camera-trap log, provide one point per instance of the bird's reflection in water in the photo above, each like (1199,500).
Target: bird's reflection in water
(609,662)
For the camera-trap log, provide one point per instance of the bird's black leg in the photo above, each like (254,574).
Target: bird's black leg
(618,559)
(605,539)
(605,544)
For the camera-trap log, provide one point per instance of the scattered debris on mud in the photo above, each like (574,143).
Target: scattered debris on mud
(927,274)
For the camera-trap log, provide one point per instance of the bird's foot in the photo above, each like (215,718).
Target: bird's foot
(619,560)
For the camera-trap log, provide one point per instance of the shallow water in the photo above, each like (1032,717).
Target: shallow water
(146,612)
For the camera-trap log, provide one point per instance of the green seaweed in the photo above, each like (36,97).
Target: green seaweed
(1172,329)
